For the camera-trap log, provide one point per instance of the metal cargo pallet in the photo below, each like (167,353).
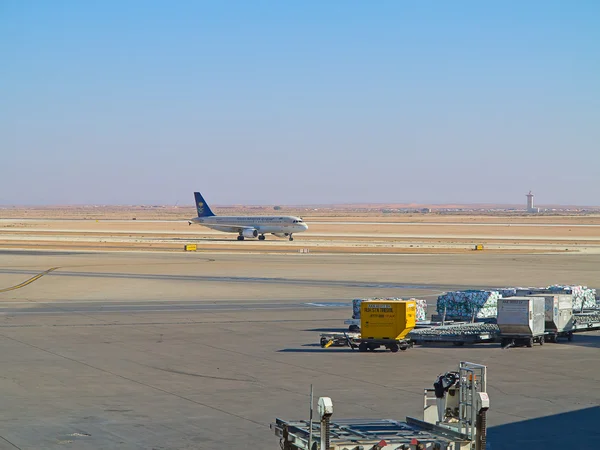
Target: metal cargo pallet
(586,321)
(368,434)
(445,319)
(445,333)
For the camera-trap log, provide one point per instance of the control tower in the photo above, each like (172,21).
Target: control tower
(530,207)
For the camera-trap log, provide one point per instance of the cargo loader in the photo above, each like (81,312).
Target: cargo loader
(454,418)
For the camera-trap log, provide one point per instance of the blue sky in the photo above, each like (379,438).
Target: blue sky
(276,102)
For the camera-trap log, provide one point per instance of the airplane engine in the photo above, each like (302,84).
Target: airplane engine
(250,233)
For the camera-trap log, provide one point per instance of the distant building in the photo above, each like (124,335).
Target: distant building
(530,207)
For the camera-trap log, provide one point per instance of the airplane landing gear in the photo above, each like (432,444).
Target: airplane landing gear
(291,238)
(240,238)
(261,237)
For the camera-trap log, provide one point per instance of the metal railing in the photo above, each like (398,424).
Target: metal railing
(472,381)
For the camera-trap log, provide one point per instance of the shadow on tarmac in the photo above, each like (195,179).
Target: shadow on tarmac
(584,340)
(576,430)
(316,349)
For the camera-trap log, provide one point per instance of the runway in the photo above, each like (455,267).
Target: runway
(175,351)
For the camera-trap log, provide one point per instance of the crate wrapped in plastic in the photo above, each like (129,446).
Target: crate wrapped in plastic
(583,297)
(507,292)
(421,309)
(469,304)
(421,314)
(356,308)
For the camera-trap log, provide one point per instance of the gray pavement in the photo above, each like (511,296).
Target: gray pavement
(169,351)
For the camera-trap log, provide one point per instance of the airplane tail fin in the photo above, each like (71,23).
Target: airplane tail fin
(202,207)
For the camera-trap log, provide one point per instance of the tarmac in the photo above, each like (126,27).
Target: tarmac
(202,350)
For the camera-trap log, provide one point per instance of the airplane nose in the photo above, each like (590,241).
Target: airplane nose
(305,226)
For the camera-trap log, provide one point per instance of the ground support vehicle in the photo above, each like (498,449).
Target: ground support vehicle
(339,340)
(356,342)
(456,420)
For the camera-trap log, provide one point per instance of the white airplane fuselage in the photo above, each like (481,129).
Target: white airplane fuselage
(277,225)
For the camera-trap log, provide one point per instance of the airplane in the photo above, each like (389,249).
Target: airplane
(247,226)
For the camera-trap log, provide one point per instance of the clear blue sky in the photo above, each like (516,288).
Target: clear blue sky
(279,102)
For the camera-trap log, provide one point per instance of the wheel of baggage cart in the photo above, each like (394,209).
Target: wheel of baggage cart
(530,342)
(552,338)
(404,347)
(542,340)
(362,347)
(393,347)
(354,328)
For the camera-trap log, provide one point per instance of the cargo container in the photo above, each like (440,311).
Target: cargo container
(521,320)
(558,313)
(387,319)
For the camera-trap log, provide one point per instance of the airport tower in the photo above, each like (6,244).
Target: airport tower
(530,207)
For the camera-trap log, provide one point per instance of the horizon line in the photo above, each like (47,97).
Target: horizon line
(305,205)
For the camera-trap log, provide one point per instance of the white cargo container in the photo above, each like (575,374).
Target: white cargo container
(521,320)
(558,312)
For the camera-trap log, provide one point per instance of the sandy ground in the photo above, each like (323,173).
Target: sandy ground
(203,350)
(349,235)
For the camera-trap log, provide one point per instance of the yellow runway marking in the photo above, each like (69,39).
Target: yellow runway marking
(31,280)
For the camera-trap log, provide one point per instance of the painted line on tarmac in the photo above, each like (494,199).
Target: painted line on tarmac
(240,279)
(29,281)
